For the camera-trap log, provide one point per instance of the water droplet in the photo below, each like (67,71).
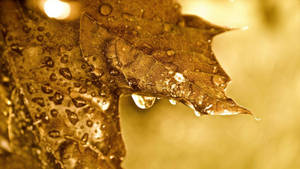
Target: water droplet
(40,38)
(105,9)
(73,118)
(54,134)
(89,123)
(85,138)
(143,102)
(26,29)
(48,62)
(172,101)
(198,114)
(170,52)
(54,112)
(66,73)
(218,80)
(64,59)
(179,77)
(53,77)
(17,48)
(39,101)
(79,102)
(30,88)
(57,98)
(46,89)
(40,28)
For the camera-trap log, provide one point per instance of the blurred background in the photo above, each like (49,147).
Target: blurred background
(264,63)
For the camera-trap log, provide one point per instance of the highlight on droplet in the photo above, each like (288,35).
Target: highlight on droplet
(57,9)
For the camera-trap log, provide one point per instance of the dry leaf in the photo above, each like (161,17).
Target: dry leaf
(67,76)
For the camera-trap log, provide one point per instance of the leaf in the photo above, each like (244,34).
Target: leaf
(67,76)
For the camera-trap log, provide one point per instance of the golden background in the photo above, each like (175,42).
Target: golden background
(264,63)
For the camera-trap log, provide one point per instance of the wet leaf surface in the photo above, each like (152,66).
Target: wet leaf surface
(64,78)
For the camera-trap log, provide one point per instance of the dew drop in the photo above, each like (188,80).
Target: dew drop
(57,98)
(79,102)
(73,118)
(105,9)
(143,102)
(48,62)
(66,73)
(54,112)
(53,77)
(26,29)
(54,134)
(40,28)
(64,59)
(39,101)
(40,38)
(89,123)
(47,89)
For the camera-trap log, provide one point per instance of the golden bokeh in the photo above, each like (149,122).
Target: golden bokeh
(264,63)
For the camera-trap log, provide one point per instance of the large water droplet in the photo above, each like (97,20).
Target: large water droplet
(79,102)
(66,73)
(143,102)
(54,134)
(105,9)
(73,118)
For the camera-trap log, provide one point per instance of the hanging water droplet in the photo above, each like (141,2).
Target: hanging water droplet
(73,118)
(172,101)
(79,102)
(66,73)
(105,9)
(143,102)
(198,114)
(57,98)
(54,134)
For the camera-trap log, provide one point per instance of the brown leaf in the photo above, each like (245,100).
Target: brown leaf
(68,75)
